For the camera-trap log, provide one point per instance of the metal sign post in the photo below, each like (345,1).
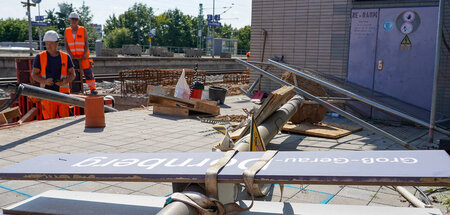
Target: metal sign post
(30,38)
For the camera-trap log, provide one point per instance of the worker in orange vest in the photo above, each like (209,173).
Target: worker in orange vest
(77,45)
(248,56)
(53,69)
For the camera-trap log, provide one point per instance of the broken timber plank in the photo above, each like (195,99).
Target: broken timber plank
(207,108)
(201,106)
(170,110)
(327,130)
(29,116)
(11,113)
(3,119)
(270,105)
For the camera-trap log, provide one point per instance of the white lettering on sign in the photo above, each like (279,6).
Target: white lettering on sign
(151,166)
(191,162)
(89,162)
(405,160)
(200,164)
(126,162)
(243,164)
(170,163)
(230,163)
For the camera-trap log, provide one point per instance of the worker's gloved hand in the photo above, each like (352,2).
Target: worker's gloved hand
(49,81)
(84,56)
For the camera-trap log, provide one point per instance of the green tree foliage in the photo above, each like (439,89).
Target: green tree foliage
(16,30)
(135,19)
(243,37)
(173,28)
(117,37)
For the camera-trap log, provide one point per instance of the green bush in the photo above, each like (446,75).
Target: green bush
(118,37)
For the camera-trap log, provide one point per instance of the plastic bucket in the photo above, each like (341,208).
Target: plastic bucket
(196,94)
(217,94)
(95,114)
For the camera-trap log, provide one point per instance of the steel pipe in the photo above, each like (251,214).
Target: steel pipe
(357,97)
(272,125)
(330,106)
(410,197)
(436,73)
(37,92)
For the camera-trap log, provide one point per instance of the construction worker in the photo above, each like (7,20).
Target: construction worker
(53,69)
(76,42)
(248,56)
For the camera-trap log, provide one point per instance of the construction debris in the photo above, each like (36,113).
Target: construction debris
(136,81)
(231,118)
(270,105)
(307,112)
(176,106)
(327,130)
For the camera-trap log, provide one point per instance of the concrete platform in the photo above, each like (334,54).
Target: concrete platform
(141,131)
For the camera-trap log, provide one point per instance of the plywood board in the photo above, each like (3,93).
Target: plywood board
(333,131)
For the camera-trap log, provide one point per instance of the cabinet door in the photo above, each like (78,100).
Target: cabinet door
(405,53)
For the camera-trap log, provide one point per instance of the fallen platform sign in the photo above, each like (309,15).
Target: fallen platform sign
(431,167)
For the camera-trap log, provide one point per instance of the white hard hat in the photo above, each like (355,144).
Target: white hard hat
(73,15)
(51,36)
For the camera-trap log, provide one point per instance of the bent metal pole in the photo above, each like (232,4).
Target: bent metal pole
(330,106)
(358,97)
(37,92)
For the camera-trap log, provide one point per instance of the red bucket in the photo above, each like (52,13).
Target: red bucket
(196,94)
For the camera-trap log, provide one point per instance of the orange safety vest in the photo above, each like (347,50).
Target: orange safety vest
(77,45)
(64,58)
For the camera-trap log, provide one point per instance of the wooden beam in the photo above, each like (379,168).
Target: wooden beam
(170,110)
(29,116)
(3,119)
(11,113)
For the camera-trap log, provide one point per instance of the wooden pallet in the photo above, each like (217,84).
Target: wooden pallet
(327,130)
(181,107)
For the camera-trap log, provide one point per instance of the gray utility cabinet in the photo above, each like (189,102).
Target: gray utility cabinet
(392,51)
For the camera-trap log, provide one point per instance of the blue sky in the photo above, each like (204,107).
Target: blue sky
(238,16)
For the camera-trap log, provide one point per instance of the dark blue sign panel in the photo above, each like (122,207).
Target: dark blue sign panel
(39,18)
(215,24)
(209,17)
(42,24)
(332,167)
